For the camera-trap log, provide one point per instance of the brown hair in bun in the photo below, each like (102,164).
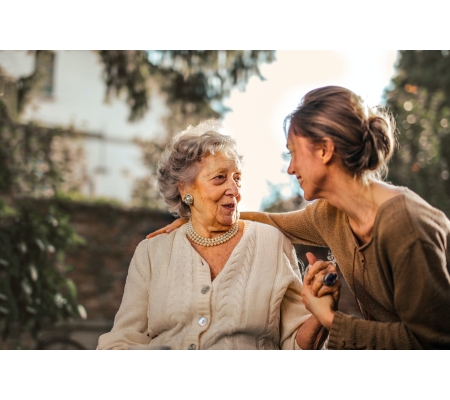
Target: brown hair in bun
(364,138)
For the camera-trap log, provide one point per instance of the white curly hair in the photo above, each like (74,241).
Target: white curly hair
(180,162)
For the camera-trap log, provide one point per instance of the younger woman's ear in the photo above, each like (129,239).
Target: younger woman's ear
(327,148)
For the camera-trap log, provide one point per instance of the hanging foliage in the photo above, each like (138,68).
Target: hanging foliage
(420,102)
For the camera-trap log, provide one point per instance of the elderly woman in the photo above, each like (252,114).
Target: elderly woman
(217,282)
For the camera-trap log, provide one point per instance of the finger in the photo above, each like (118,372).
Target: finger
(316,284)
(329,279)
(178,222)
(311,258)
(325,278)
(331,269)
(313,270)
(308,278)
(318,266)
(168,228)
(156,233)
(333,290)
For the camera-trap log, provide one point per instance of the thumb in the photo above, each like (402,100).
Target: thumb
(311,258)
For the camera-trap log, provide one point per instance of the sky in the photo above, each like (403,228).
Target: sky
(256,119)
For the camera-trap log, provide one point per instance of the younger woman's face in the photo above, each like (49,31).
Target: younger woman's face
(306,164)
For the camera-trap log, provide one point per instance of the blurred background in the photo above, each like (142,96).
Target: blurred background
(81,133)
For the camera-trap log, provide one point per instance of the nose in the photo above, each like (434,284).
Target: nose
(233,188)
(290,169)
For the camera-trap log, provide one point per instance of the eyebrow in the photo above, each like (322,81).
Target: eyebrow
(222,170)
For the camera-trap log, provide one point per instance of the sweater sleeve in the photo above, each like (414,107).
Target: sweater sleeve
(293,312)
(131,321)
(421,299)
(300,226)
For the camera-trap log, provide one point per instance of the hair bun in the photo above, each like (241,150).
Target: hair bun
(380,130)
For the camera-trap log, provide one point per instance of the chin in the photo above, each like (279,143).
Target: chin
(310,197)
(307,196)
(229,220)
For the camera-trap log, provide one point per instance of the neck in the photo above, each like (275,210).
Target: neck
(360,202)
(354,198)
(210,230)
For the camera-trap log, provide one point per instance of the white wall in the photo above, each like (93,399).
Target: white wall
(78,100)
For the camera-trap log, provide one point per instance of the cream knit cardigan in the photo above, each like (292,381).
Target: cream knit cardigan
(169,299)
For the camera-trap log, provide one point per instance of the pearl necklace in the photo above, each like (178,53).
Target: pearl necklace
(202,241)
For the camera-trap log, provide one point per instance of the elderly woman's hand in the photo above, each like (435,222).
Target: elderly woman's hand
(316,271)
(168,228)
(319,299)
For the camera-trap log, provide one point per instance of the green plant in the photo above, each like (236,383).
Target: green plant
(34,292)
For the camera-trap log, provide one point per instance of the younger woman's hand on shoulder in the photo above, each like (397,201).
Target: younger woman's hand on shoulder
(168,228)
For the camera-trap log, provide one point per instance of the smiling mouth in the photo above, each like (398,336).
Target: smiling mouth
(230,207)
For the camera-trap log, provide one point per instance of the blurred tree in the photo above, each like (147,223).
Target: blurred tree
(34,291)
(194,82)
(420,102)
(275,202)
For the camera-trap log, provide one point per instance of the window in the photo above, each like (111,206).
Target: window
(45,64)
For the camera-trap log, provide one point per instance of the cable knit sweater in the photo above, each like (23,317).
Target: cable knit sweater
(401,277)
(169,299)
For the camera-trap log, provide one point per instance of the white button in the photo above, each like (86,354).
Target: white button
(205,289)
(202,321)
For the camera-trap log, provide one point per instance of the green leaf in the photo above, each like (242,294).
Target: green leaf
(72,288)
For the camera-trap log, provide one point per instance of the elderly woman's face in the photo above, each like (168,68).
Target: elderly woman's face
(216,192)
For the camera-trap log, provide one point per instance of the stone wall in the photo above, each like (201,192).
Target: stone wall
(101,264)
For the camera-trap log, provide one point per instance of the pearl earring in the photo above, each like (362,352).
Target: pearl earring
(188,199)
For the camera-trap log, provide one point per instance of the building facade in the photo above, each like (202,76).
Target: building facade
(72,95)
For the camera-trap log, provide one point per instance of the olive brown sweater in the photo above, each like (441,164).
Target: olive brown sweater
(401,277)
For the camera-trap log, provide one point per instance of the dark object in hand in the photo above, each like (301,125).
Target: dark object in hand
(330,279)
